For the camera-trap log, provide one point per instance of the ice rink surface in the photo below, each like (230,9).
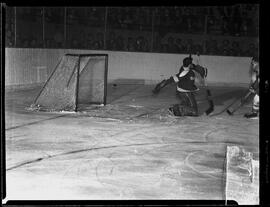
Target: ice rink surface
(130,148)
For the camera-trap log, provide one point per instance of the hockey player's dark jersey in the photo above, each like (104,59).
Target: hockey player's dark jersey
(185,80)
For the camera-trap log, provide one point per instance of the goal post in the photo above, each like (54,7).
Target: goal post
(77,79)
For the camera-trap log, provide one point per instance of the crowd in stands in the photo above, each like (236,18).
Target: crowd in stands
(230,21)
(238,20)
(224,47)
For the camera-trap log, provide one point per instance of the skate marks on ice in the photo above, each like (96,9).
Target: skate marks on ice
(194,159)
(143,171)
(185,131)
(147,172)
(147,163)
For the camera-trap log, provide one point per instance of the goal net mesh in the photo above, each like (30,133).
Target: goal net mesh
(75,80)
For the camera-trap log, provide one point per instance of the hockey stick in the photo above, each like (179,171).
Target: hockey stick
(210,102)
(208,92)
(159,86)
(235,101)
(242,102)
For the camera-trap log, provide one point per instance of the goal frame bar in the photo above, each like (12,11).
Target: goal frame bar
(78,74)
(78,78)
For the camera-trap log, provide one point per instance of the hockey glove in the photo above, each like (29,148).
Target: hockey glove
(251,89)
(162,84)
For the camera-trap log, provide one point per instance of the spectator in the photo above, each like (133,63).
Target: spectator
(176,15)
(90,41)
(75,44)
(198,24)
(83,39)
(58,38)
(111,42)
(145,45)
(120,18)
(211,23)
(9,38)
(141,44)
(212,47)
(225,28)
(184,48)
(157,47)
(178,21)
(92,18)
(180,47)
(112,18)
(130,44)
(198,49)
(138,44)
(33,43)
(120,43)
(244,27)
(139,17)
(161,15)
(157,17)
(187,20)
(48,43)
(250,50)
(167,19)
(163,47)
(236,50)
(99,13)
(236,20)
(225,48)
(99,43)
(40,43)
(127,20)
(171,46)
(19,41)
(26,43)
(201,11)
(190,47)
(147,16)
(206,46)
(132,14)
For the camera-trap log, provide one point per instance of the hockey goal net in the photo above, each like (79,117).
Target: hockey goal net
(77,79)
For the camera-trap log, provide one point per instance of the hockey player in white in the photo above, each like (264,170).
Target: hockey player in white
(254,88)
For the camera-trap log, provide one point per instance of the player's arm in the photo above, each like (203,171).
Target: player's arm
(162,84)
(173,79)
(254,86)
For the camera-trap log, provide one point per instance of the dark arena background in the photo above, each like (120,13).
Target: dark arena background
(82,121)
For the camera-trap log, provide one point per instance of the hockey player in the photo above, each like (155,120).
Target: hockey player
(254,88)
(186,87)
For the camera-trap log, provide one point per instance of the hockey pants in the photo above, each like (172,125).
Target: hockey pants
(187,106)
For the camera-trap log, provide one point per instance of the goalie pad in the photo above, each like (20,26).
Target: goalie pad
(182,110)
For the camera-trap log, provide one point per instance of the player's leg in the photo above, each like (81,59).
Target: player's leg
(192,104)
(183,98)
(176,109)
(187,105)
(255,108)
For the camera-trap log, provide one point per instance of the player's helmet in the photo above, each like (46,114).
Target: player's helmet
(187,61)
